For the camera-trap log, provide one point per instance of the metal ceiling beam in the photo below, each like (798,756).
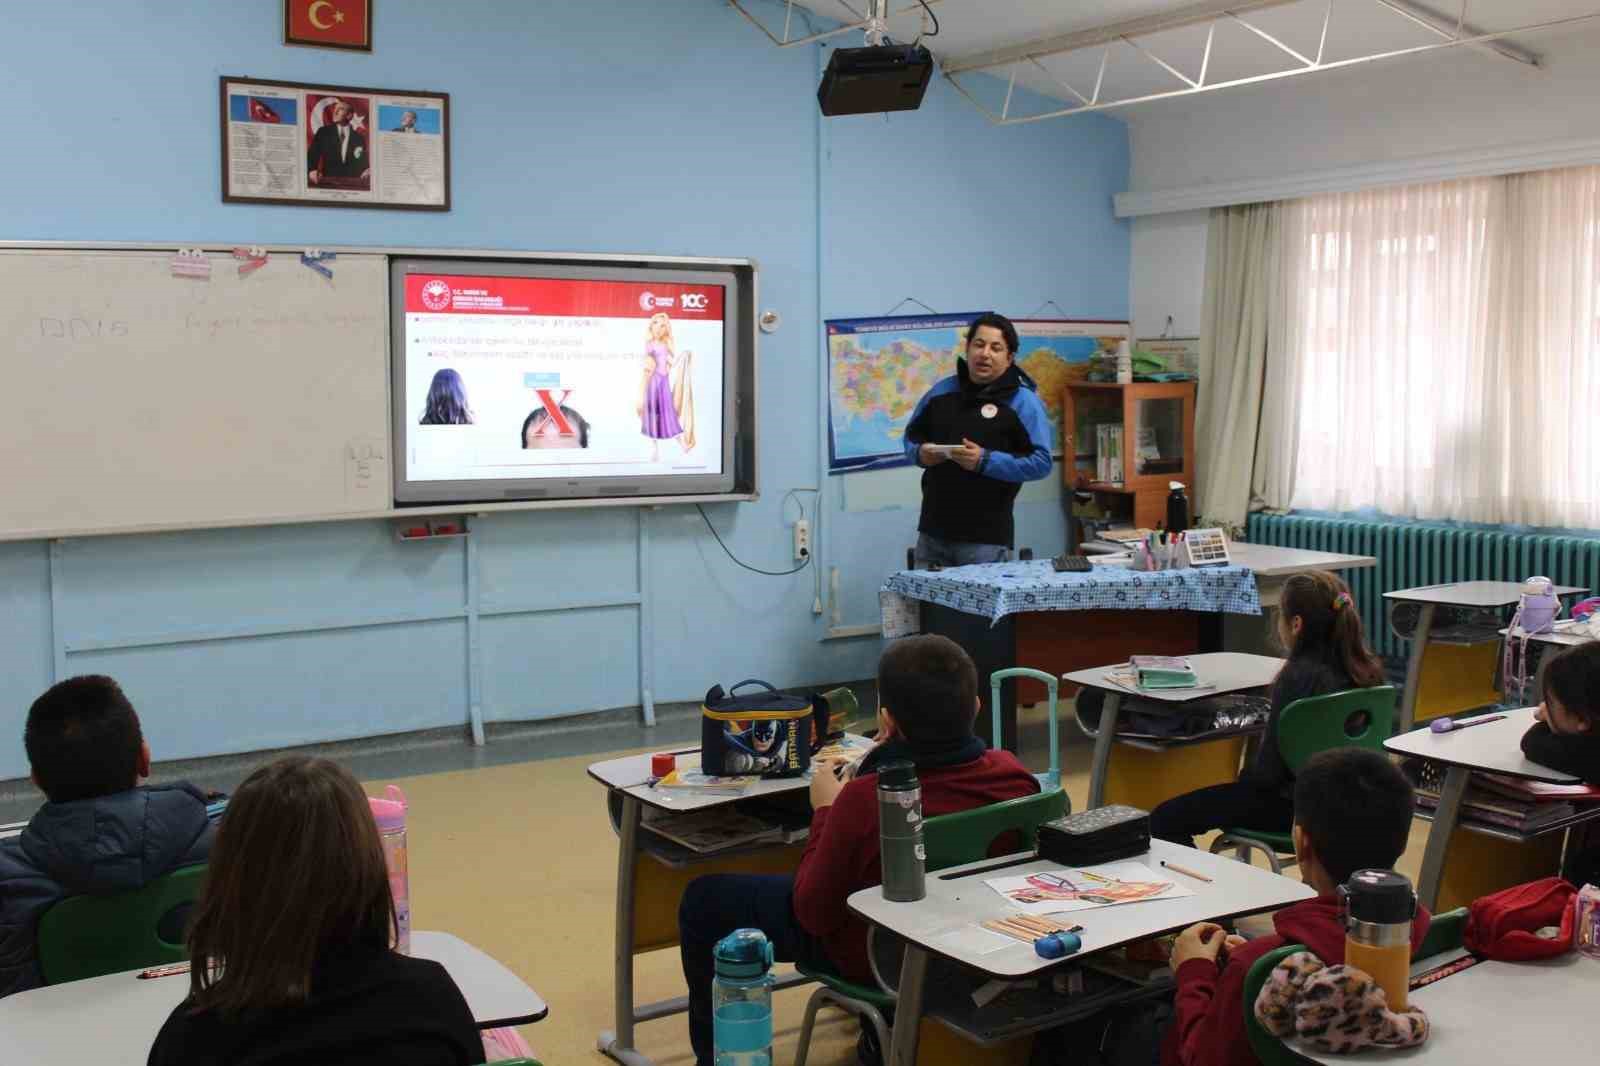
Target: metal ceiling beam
(864,23)
(1206,11)
(1211,11)
(1096,104)
(1434,22)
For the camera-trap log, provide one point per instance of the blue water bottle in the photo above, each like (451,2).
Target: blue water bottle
(741,1000)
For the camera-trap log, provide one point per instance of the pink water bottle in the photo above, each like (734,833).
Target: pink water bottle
(390,813)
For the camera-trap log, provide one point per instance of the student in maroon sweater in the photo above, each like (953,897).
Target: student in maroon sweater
(928,698)
(1352,811)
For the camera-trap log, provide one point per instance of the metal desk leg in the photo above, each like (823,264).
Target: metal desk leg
(618,1045)
(908,1009)
(1102,749)
(1419,648)
(1439,834)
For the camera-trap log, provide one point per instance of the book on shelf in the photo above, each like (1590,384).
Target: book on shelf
(1108,453)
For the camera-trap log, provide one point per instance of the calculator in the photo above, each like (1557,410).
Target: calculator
(1072,564)
(1207,547)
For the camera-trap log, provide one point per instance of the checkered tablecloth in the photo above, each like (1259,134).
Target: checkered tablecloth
(994,590)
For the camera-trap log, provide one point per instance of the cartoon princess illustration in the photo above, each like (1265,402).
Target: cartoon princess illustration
(666,407)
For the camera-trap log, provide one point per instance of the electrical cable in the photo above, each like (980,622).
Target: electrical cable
(736,559)
(932,16)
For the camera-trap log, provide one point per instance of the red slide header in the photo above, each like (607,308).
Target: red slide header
(461,294)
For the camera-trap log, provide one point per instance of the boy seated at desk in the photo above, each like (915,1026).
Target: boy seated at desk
(99,833)
(928,699)
(1352,811)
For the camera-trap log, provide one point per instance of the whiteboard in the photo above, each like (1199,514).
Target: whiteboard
(139,400)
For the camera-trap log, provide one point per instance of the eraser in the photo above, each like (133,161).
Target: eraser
(662,764)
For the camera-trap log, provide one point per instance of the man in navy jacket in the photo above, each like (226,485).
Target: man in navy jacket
(99,833)
(991,412)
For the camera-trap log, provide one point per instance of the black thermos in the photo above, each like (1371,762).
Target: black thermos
(1177,508)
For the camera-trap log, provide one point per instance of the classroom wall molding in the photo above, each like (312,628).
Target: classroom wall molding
(1445,166)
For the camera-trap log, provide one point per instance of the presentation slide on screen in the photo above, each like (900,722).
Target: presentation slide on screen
(561,378)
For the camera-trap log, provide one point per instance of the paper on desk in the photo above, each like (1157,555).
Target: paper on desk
(973,939)
(1085,888)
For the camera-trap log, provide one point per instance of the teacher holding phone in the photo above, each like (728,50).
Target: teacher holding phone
(978,434)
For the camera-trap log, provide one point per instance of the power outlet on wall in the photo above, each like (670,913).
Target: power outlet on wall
(802,540)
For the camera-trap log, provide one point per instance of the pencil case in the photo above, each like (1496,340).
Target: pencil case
(1104,834)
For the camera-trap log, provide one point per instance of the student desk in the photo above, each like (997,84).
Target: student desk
(1495,748)
(1497,1013)
(958,898)
(1027,614)
(652,873)
(1221,673)
(113,1020)
(1459,688)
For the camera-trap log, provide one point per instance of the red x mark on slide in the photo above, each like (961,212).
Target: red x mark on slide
(557,425)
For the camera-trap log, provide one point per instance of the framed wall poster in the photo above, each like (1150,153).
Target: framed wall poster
(343,24)
(334,145)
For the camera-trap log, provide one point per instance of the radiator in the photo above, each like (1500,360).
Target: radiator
(1412,554)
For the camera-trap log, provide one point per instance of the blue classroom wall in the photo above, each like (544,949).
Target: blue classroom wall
(634,126)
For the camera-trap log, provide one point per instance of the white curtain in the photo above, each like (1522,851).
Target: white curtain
(1444,349)
(1244,280)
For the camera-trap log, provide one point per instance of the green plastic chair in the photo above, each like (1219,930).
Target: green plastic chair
(87,936)
(1445,933)
(1305,728)
(1051,779)
(951,840)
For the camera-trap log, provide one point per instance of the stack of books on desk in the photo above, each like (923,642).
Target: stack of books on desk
(1510,803)
(1163,671)
(692,780)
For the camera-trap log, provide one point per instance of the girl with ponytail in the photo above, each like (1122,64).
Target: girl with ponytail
(1320,627)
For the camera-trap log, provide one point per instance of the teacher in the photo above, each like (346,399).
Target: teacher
(991,412)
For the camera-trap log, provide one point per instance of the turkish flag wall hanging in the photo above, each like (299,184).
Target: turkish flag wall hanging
(329,23)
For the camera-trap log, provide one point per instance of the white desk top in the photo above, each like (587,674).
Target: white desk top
(1501,1012)
(631,774)
(956,904)
(1219,671)
(1471,593)
(1567,633)
(1266,560)
(1496,748)
(113,1020)
(1270,560)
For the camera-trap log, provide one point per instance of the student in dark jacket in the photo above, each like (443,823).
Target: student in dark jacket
(928,695)
(1352,811)
(992,410)
(291,945)
(1566,737)
(98,833)
(1319,624)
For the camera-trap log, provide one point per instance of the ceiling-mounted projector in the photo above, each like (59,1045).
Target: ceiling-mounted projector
(885,77)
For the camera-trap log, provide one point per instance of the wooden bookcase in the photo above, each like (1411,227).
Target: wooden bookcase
(1164,411)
